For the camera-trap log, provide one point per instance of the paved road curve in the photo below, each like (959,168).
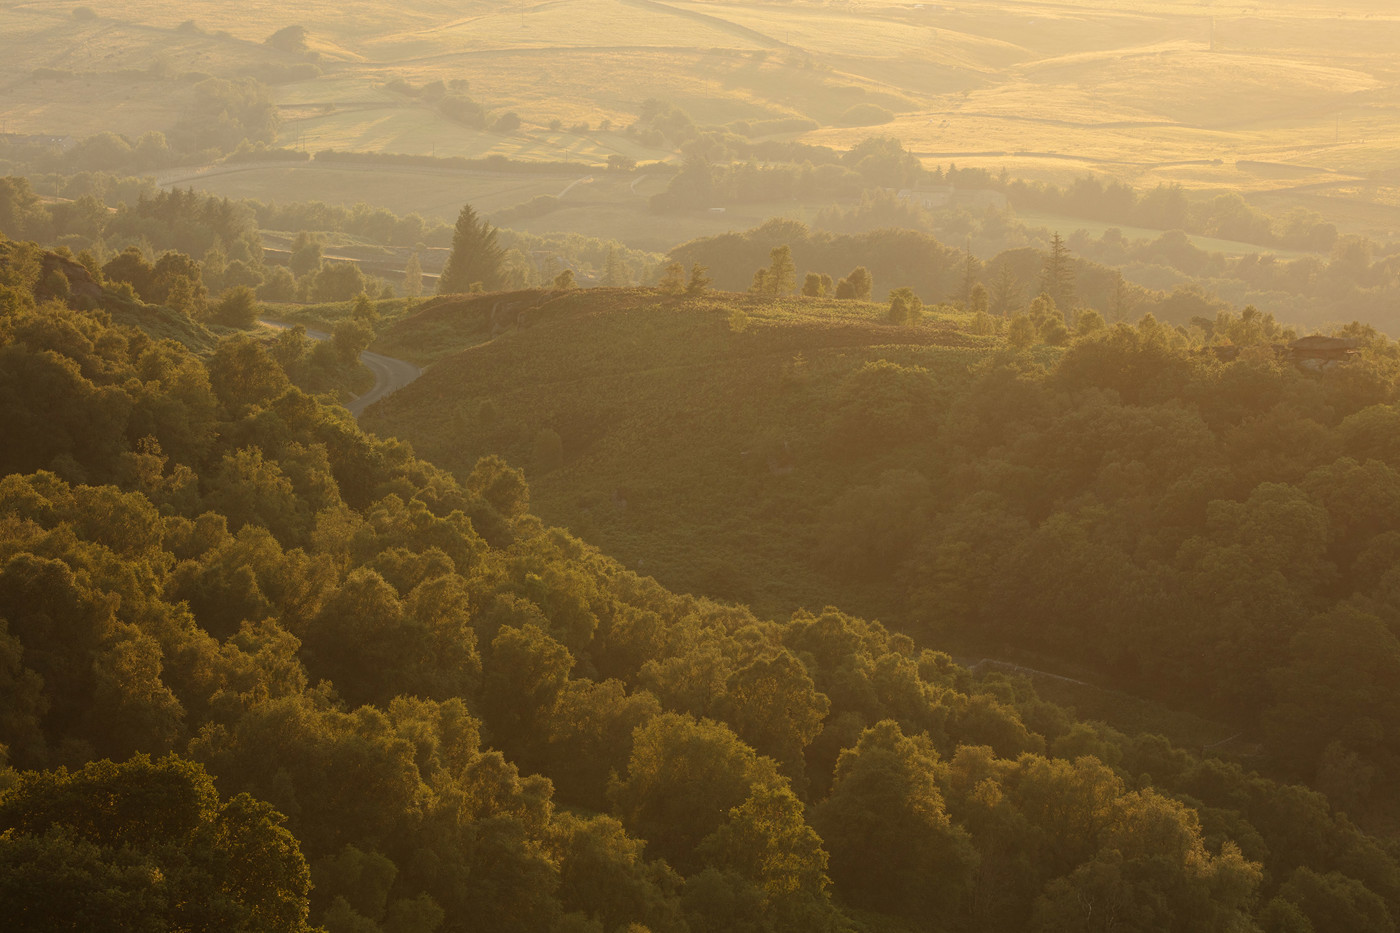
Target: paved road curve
(390,374)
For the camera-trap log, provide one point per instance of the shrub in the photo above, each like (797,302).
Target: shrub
(865,115)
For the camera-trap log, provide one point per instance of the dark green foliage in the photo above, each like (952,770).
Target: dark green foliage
(506,123)
(882,405)
(905,306)
(475,257)
(237,307)
(306,255)
(699,279)
(337,281)
(893,846)
(683,777)
(145,845)
(865,115)
(288,39)
(882,161)
(441,694)
(225,113)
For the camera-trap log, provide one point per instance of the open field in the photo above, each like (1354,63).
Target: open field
(1292,103)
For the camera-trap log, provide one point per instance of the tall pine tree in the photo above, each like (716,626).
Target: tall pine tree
(1057,274)
(476,256)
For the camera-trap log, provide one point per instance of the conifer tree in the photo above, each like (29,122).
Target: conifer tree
(615,272)
(1005,292)
(1057,274)
(475,257)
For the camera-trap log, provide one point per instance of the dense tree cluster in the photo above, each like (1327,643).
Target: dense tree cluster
(471,721)
(1217,530)
(1167,207)
(879,162)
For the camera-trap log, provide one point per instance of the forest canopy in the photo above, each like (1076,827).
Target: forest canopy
(467,720)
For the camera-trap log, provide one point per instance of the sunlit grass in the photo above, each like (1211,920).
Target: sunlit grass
(1290,97)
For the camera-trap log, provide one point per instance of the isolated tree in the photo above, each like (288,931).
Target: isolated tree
(565,280)
(699,280)
(861,283)
(338,281)
(782,272)
(977,299)
(350,339)
(905,306)
(812,286)
(969,279)
(1057,273)
(673,279)
(507,122)
(475,256)
(212,268)
(288,39)
(178,283)
(759,286)
(279,285)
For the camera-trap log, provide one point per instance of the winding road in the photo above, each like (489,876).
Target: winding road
(390,374)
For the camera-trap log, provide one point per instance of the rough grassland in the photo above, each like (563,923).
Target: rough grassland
(681,436)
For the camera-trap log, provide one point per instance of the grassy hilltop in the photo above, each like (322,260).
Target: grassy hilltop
(694,435)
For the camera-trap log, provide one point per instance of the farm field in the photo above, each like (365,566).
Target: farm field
(1290,104)
(430,192)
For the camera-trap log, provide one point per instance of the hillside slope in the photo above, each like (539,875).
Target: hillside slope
(655,427)
(466,720)
(1189,523)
